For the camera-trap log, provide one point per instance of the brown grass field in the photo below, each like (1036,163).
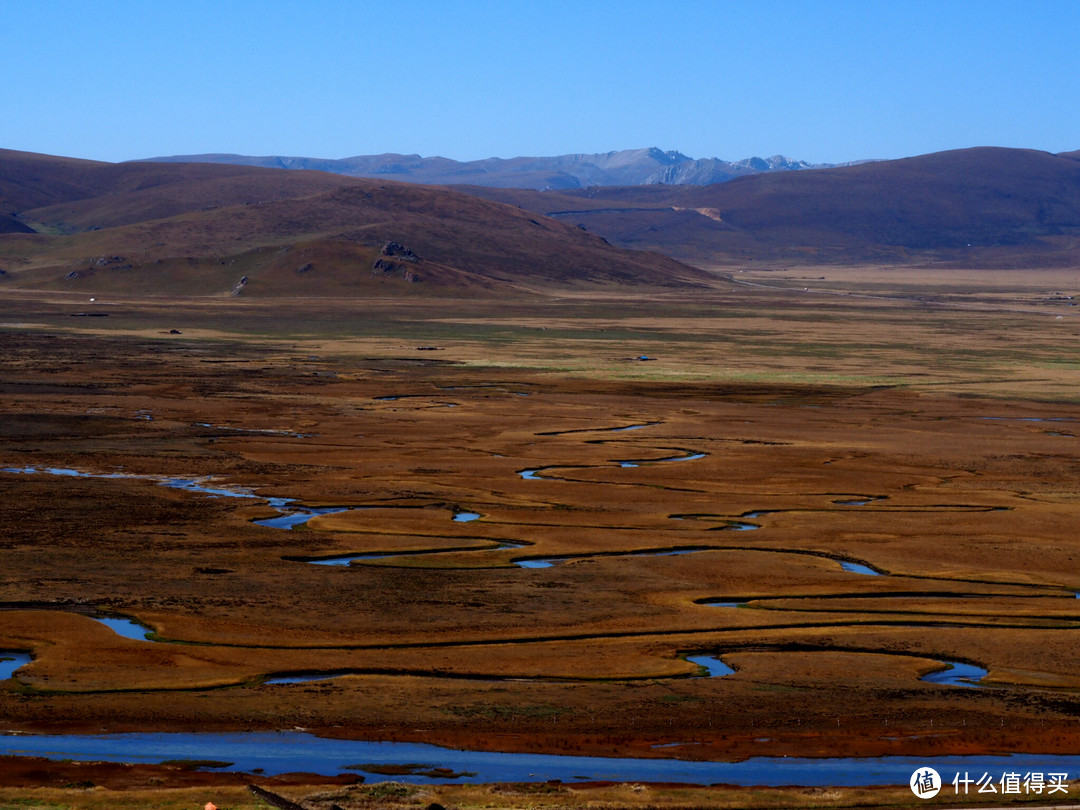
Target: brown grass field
(924,424)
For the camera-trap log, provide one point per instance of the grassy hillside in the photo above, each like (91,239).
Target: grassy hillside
(205,228)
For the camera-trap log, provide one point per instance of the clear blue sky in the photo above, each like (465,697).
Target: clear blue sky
(824,81)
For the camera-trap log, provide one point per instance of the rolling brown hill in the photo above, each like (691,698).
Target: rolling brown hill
(982,206)
(206,228)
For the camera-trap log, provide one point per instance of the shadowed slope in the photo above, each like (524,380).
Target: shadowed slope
(12,225)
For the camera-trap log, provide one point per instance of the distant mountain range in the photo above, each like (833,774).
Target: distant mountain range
(629,167)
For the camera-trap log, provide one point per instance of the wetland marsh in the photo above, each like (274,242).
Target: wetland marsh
(540,573)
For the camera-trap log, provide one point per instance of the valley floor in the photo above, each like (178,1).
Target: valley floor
(543,510)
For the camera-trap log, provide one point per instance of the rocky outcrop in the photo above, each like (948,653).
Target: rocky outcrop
(399,251)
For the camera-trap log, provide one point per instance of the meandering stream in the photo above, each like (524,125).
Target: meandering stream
(292,514)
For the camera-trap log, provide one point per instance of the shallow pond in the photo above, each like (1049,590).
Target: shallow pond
(715,667)
(128,628)
(11,661)
(534,563)
(285,752)
(859,568)
(957,674)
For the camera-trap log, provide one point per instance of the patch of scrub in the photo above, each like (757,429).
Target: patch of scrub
(956,673)
(410,769)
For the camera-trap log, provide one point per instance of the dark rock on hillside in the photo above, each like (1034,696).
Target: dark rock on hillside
(400,251)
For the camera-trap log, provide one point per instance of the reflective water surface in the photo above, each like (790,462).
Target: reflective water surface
(285,752)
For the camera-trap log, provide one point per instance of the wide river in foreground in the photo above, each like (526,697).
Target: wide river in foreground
(291,751)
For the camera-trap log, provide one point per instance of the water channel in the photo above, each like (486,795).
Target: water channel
(274,753)
(957,674)
(281,752)
(11,661)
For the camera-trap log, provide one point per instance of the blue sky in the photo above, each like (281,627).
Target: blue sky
(824,81)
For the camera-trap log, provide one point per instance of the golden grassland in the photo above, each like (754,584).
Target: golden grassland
(928,431)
